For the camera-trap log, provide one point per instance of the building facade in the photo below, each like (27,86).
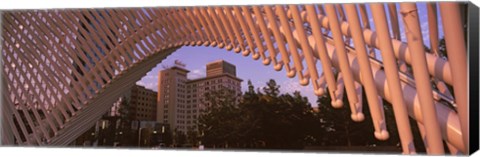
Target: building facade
(180,100)
(143,104)
(140,105)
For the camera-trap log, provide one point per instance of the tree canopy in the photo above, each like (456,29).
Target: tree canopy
(263,119)
(269,119)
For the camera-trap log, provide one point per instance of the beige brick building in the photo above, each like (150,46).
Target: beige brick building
(143,103)
(180,99)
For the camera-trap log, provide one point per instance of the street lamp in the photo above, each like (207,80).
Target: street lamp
(155,141)
(139,135)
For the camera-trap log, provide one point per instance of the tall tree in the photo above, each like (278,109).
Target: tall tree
(126,137)
(263,120)
(251,88)
(340,130)
(192,137)
(220,118)
(179,138)
(272,89)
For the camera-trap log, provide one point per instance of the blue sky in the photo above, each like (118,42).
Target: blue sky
(197,57)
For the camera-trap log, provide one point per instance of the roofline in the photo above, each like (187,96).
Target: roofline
(220,60)
(224,74)
(143,87)
(179,68)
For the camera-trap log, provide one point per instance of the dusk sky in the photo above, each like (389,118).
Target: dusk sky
(197,57)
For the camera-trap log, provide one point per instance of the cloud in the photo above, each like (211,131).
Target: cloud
(140,83)
(150,77)
(292,85)
(197,73)
(149,85)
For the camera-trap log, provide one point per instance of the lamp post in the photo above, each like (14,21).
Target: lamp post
(139,135)
(155,141)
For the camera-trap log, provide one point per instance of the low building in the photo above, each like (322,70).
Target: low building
(139,104)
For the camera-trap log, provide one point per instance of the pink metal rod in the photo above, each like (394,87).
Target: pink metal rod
(80,62)
(457,55)
(422,79)
(340,45)
(399,108)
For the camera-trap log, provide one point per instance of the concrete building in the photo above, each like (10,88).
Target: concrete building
(152,133)
(220,67)
(180,99)
(143,104)
(142,107)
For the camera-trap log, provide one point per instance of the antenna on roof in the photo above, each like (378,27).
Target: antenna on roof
(165,66)
(179,63)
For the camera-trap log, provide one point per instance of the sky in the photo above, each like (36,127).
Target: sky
(197,57)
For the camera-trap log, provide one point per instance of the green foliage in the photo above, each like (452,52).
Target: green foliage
(167,137)
(341,130)
(263,119)
(442,48)
(127,138)
(192,137)
(220,111)
(180,138)
(272,89)
(266,119)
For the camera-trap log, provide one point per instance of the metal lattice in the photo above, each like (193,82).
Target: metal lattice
(61,68)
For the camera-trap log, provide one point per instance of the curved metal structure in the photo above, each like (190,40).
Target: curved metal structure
(62,69)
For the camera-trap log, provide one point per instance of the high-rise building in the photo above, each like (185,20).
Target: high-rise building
(143,104)
(220,67)
(180,99)
(171,97)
